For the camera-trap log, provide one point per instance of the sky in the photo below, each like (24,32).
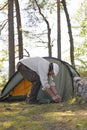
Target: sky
(73,5)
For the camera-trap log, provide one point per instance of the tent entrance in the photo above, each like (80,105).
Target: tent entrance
(23,88)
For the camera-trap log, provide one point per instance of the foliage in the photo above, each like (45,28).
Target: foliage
(81,47)
(35,20)
(83,73)
(3,79)
(81,54)
(3,67)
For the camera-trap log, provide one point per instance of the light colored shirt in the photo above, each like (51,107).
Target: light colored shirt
(41,67)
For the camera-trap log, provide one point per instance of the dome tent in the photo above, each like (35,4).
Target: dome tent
(17,88)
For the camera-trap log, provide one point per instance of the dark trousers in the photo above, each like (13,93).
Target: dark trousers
(33,77)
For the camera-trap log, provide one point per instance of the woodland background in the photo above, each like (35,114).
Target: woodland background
(43,28)
(48,27)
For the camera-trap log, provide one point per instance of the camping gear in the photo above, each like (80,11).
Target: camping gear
(80,87)
(17,88)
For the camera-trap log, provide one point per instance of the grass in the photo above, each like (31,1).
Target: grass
(71,115)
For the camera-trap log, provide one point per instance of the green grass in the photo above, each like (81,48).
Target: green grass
(69,115)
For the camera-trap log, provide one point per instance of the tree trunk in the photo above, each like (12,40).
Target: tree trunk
(70,33)
(11,38)
(48,29)
(58,30)
(19,28)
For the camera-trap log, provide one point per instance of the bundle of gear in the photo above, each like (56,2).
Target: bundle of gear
(80,87)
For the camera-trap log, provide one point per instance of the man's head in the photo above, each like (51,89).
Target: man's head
(53,69)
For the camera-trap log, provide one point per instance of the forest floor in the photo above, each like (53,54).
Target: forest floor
(70,115)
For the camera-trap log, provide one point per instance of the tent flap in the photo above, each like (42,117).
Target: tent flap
(13,81)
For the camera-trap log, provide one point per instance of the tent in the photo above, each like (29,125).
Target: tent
(17,88)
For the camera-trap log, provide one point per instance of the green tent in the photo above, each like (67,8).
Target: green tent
(17,87)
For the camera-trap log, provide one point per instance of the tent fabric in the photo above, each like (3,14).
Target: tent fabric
(17,87)
(23,88)
(64,80)
(11,84)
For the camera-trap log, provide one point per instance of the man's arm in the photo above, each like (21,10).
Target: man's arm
(53,88)
(55,97)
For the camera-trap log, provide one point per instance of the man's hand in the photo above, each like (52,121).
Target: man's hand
(56,99)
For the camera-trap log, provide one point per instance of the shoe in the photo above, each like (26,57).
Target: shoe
(28,101)
(33,102)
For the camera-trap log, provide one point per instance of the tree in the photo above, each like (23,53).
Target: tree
(10,36)
(69,32)
(58,30)
(11,48)
(19,29)
(48,29)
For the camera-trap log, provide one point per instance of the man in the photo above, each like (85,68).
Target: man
(39,71)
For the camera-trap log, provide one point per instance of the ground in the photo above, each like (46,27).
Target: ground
(70,115)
